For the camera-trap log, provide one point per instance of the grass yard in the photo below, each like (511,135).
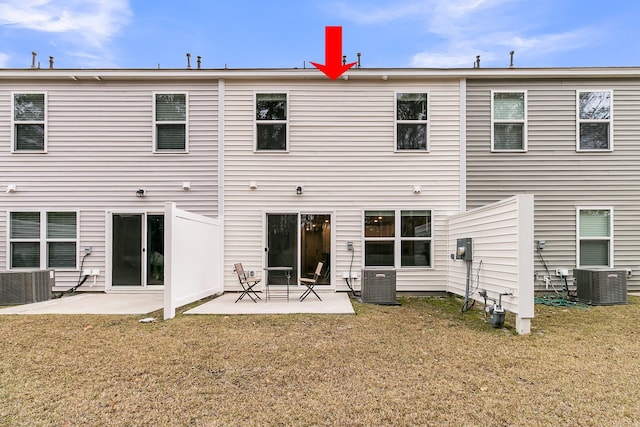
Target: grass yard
(423,363)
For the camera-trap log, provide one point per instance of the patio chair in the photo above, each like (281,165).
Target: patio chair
(247,283)
(311,282)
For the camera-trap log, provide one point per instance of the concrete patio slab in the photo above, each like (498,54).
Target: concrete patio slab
(93,303)
(332,303)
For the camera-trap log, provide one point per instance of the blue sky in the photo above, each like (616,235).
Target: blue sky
(283,33)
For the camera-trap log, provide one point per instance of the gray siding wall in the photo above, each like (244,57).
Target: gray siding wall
(341,149)
(100,152)
(561,178)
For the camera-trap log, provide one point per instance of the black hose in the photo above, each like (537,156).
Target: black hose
(348,279)
(80,281)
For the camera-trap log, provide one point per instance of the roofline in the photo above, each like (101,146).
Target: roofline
(312,73)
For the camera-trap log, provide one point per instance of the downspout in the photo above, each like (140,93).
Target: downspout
(463,145)
(221,119)
(221,149)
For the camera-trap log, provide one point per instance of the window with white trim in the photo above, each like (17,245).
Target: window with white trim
(170,122)
(397,238)
(29,122)
(43,240)
(595,125)
(509,125)
(271,122)
(411,121)
(595,237)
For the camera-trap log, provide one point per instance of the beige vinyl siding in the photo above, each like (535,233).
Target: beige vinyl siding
(561,178)
(341,149)
(100,151)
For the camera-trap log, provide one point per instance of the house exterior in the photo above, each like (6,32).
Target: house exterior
(76,147)
(570,137)
(314,168)
(361,172)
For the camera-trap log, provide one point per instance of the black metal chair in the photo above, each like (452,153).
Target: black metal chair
(247,283)
(311,282)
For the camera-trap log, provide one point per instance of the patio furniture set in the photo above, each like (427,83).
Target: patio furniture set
(248,283)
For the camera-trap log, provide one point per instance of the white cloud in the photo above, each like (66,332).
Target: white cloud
(4,60)
(377,16)
(88,25)
(466,28)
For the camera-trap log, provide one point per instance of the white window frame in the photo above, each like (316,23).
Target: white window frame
(609,239)
(579,121)
(524,121)
(274,122)
(426,122)
(43,240)
(398,239)
(15,122)
(185,122)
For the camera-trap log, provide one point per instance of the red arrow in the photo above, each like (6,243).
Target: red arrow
(333,54)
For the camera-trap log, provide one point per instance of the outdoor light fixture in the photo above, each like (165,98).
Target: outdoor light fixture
(140,193)
(253,185)
(299,190)
(12,188)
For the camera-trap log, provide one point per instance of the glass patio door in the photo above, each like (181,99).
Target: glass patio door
(282,246)
(137,255)
(126,257)
(315,246)
(299,241)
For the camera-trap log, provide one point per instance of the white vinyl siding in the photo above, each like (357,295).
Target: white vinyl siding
(341,151)
(29,122)
(594,237)
(271,123)
(509,121)
(412,122)
(594,120)
(170,122)
(43,240)
(100,138)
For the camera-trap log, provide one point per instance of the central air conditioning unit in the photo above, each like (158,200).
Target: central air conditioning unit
(601,286)
(379,287)
(24,287)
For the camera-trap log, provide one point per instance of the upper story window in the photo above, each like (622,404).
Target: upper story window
(29,122)
(595,237)
(43,240)
(397,238)
(170,122)
(595,121)
(509,121)
(411,121)
(271,122)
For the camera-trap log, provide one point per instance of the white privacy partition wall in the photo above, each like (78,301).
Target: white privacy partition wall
(503,239)
(193,258)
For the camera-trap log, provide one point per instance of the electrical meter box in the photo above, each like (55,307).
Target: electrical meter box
(464,249)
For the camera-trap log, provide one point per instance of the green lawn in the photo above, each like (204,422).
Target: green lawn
(423,363)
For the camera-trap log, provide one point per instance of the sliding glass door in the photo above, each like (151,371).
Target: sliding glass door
(300,241)
(137,250)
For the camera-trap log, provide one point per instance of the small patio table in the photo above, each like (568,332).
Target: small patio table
(287,272)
